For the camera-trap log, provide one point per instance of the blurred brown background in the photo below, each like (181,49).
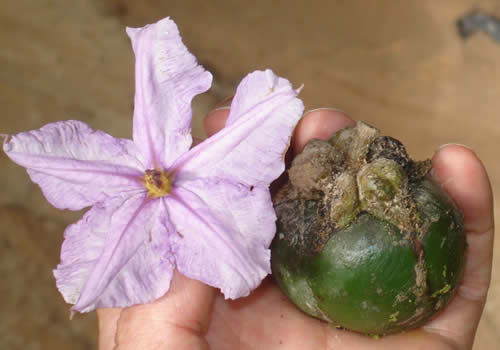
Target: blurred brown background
(398,65)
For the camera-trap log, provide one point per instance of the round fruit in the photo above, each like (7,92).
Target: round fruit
(365,239)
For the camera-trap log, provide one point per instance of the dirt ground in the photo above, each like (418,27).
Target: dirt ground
(397,65)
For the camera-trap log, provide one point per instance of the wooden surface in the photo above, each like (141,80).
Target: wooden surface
(398,65)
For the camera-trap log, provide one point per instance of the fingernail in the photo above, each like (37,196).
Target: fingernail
(453,144)
(331,109)
(225,102)
(223,108)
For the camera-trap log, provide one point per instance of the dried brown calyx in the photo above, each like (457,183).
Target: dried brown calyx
(357,170)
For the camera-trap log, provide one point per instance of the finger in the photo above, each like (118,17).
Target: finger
(178,320)
(215,120)
(319,123)
(463,176)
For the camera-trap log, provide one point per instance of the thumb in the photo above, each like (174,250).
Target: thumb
(178,320)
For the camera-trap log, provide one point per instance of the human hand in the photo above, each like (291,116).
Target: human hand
(195,316)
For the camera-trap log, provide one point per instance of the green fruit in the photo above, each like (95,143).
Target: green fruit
(365,239)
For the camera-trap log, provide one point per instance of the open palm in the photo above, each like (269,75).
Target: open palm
(195,316)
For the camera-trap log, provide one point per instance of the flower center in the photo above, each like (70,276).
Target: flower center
(157,182)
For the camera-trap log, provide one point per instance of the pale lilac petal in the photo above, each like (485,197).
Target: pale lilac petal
(223,234)
(117,255)
(167,79)
(251,148)
(255,88)
(76,166)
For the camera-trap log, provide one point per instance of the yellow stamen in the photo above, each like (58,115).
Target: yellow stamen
(157,182)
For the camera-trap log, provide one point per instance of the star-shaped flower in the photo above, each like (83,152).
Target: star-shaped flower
(156,204)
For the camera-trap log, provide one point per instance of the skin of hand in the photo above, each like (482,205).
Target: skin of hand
(193,315)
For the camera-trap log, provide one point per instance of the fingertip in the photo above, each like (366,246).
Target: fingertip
(460,172)
(319,123)
(216,120)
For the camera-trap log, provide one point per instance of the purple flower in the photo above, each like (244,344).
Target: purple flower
(158,205)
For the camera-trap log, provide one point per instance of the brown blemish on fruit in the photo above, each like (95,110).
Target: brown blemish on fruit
(333,181)
(420,276)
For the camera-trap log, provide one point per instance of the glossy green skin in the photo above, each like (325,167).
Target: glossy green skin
(364,278)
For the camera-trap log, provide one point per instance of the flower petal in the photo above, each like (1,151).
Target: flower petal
(76,166)
(223,234)
(167,79)
(118,255)
(251,148)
